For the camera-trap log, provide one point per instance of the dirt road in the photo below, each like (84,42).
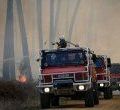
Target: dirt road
(113,104)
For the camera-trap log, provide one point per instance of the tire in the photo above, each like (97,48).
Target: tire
(73,98)
(108,93)
(55,101)
(96,97)
(111,94)
(89,99)
(45,100)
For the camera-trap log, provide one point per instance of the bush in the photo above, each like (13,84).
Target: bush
(12,91)
(15,95)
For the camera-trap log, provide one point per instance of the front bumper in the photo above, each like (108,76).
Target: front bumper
(76,87)
(103,84)
(118,85)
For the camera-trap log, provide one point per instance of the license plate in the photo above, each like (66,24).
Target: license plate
(64,91)
(63,76)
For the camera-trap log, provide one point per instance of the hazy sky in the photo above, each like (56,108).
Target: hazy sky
(90,23)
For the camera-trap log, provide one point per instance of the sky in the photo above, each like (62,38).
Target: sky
(89,23)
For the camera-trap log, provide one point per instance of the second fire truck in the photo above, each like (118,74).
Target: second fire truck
(103,65)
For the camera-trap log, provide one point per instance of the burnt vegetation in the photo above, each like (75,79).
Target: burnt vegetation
(17,96)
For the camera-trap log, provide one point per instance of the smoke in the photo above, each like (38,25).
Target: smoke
(73,20)
(52,25)
(9,65)
(24,39)
(57,16)
(39,21)
(22,67)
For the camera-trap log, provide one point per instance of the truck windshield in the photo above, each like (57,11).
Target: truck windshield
(100,62)
(65,58)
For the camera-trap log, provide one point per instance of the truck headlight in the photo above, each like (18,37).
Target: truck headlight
(81,87)
(101,85)
(46,90)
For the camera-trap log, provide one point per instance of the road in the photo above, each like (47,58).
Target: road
(113,104)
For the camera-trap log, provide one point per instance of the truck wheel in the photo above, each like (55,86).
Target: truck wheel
(111,94)
(55,101)
(74,97)
(96,97)
(89,99)
(45,100)
(108,93)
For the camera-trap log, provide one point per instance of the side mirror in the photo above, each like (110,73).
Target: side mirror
(94,57)
(108,62)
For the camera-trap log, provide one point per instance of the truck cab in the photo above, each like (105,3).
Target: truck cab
(103,65)
(67,72)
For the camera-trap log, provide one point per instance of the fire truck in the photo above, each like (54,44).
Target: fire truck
(118,85)
(103,65)
(115,81)
(67,72)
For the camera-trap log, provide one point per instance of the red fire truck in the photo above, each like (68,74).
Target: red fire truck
(115,81)
(67,72)
(103,65)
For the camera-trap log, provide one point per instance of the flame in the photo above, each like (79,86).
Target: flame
(22,78)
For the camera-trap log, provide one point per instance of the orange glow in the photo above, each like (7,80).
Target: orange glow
(22,78)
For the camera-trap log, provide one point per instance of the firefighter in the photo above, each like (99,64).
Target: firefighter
(61,44)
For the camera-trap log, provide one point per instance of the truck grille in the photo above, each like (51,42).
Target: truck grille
(62,76)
